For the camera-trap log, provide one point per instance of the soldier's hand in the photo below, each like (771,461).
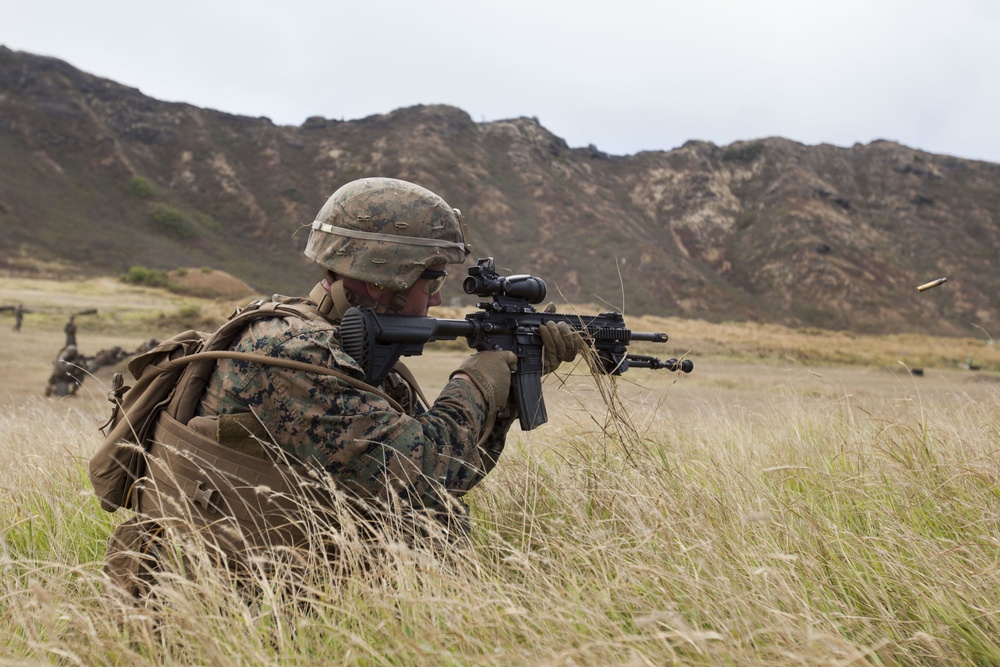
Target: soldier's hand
(490,371)
(560,342)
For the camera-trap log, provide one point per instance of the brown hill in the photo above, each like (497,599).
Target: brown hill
(209,284)
(99,176)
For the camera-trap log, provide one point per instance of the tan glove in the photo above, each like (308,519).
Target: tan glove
(490,371)
(560,343)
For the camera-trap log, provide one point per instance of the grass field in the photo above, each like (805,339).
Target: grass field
(799,499)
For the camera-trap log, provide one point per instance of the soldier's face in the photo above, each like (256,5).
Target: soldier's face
(418,301)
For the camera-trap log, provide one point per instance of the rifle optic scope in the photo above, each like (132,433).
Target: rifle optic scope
(484,281)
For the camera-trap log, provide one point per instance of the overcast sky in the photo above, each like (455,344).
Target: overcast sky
(624,75)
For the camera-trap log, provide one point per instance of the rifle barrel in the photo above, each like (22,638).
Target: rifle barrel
(652,337)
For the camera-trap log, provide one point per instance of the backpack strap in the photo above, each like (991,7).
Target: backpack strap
(332,302)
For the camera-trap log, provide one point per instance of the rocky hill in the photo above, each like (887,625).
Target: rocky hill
(96,177)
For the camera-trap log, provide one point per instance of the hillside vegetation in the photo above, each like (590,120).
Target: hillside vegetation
(99,177)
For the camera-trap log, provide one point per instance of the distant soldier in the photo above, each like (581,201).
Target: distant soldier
(70,331)
(68,372)
(109,356)
(18,317)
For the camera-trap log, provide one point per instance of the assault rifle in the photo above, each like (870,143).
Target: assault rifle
(376,341)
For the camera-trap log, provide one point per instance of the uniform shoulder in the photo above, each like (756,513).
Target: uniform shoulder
(314,341)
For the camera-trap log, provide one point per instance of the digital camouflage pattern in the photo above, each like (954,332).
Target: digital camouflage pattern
(366,445)
(385,232)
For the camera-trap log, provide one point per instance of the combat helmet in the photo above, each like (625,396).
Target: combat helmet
(386,232)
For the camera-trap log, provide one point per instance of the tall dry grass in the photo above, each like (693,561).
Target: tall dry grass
(824,517)
(771,512)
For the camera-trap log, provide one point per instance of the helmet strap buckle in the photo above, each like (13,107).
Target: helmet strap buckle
(398,302)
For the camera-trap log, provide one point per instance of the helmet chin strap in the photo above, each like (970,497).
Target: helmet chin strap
(334,299)
(397,304)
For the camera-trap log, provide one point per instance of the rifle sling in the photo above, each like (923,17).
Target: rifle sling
(407,375)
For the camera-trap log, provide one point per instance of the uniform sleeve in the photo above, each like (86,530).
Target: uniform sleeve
(355,434)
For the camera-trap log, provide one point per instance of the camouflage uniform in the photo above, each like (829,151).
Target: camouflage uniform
(383,232)
(355,435)
(376,445)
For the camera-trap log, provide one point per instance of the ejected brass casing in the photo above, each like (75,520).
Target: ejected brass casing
(933,283)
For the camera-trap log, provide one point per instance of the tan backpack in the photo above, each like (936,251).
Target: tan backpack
(170,379)
(120,461)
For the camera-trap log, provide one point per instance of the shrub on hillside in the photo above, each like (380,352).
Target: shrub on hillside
(745,153)
(138,186)
(140,275)
(171,223)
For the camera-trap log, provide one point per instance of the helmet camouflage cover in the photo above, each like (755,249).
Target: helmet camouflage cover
(385,232)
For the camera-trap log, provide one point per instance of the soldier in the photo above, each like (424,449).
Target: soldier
(386,244)
(70,331)
(108,356)
(68,371)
